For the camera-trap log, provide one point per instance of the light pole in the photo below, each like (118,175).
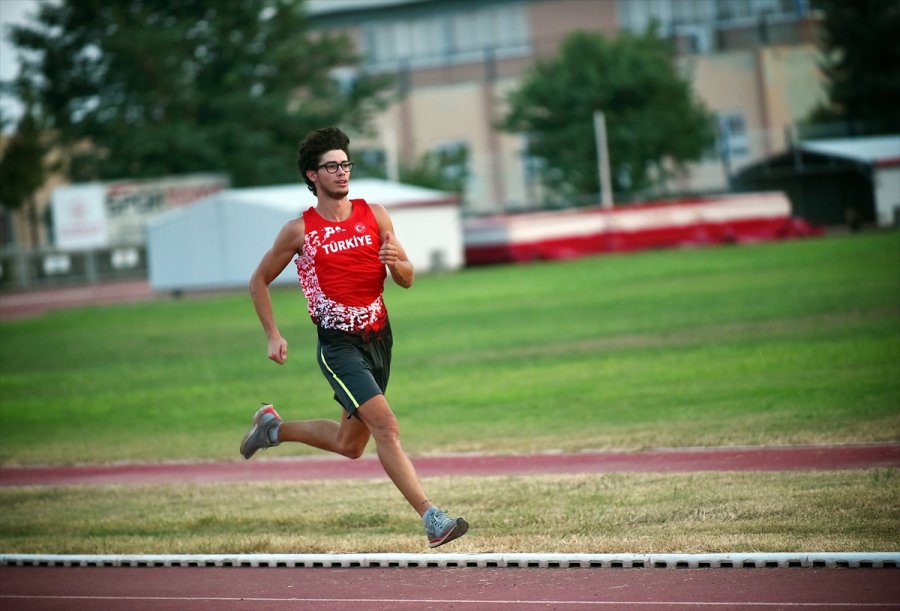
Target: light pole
(606,198)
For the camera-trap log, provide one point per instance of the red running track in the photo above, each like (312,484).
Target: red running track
(469,589)
(674,460)
(377,589)
(29,304)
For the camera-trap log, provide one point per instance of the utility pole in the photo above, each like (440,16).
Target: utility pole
(606,198)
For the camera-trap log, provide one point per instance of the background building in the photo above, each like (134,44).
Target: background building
(853,181)
(752,62)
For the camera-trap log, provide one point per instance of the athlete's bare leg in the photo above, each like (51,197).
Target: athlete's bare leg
(382,423)
(347,437)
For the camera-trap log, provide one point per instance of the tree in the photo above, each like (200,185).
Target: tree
(22,169)
(444,169)
(157,87)
(861,48)
(651,116)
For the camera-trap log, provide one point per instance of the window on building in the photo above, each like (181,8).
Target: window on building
(694,22)
(751,10)
(697,38)
(733,140)
(434,40)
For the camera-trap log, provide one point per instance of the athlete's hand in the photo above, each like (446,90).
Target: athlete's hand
(278,350)
(388,252)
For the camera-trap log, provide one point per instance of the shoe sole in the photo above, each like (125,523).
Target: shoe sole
(266,409)
(461,528)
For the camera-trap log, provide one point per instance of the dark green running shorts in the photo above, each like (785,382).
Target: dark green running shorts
(357,371)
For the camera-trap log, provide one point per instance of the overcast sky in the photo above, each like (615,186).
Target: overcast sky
(11,12)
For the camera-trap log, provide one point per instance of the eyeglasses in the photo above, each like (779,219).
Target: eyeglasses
(332,166)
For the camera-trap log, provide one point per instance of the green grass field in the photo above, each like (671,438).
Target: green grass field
(795,342)
(780,343)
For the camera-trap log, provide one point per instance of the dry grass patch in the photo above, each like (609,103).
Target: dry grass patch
(629,513)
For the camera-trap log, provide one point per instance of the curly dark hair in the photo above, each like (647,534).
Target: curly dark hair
(316,144)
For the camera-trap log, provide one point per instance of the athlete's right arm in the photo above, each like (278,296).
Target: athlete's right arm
(288,243)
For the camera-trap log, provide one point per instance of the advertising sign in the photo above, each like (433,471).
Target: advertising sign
(108,214)
(79,216)
(130,203)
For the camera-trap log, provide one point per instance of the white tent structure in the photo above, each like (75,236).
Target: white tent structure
(218,241)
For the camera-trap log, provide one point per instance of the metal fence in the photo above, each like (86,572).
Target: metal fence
(47,267)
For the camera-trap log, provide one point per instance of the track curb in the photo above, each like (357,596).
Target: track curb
(876,560)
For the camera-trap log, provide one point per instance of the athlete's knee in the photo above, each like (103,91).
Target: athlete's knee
(387,430)
(352,442)
(352,451)
(380,420)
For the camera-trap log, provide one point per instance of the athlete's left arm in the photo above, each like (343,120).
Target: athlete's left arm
(392,252)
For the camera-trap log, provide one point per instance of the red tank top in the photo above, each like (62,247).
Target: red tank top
(341,274)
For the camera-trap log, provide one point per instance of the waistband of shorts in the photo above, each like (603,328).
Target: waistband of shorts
(336,336)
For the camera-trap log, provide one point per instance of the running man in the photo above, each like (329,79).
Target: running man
(341,248)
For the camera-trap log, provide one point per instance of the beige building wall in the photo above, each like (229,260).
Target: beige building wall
(553,20)
(455,113)
(728,82)
(768,87)
(464,102)
(462,112)
(794,82)
(771,87)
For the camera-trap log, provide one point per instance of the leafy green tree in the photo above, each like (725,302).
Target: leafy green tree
(651,115)
(444,169)
(157,87)
(861,45)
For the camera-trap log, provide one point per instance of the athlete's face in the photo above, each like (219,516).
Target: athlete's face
(335,185)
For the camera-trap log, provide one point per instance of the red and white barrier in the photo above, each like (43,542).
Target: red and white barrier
(567,234)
